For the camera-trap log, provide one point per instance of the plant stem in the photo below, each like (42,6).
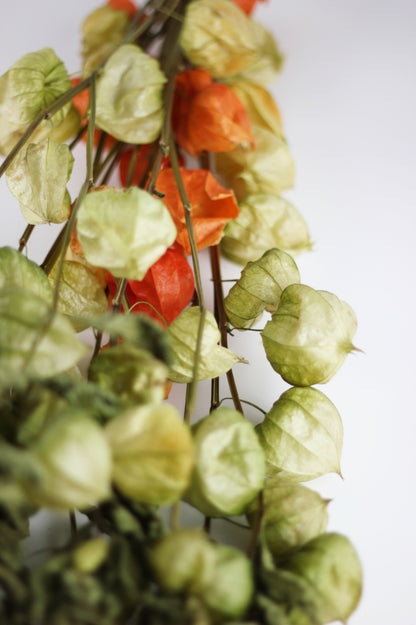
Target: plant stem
(25,237)
(222,319)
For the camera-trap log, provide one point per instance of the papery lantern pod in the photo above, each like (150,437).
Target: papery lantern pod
(103,31)
(302,435)
(132,374)
(129,101)
(268,60)
(218,37)
(229,466)
(75,460)
(31,84)
(265,221)
(217,121)
(330,566)
(166,289)
(37,178)
(212,205)
(221,576)
(153,453)
(27,344)
(124,230)
(17,270)
(91,554)
(214,360)
(247,5)
(80,293)
(183,561)
(292,515)
(266,168)
(259,288)
(260,105)
(309,335)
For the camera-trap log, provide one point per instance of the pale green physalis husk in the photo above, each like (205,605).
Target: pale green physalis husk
(266,168)
(302,435)
(229,467)
(309,336)
(219,37)
(124,230)
(214,360)
(17,270)
(103,31)
(133,374)
(331,567)
(153,453)
(259,288)
(268,60)
(130,96)
(38,177)
(89,555)
(80,293)
(31,84)
(183,561)
(292,515)
(259,104)
(221,576)
(265,221)
(75,458)
(232,586)
(27,344)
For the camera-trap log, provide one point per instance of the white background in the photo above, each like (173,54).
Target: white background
(348,100)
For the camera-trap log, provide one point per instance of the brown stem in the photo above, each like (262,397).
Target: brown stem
(25,237)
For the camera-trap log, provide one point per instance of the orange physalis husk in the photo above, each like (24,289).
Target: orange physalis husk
(168,286)
(81,102)
(212,205)
(187,85)
(246,5)
(123,5)
(142,166)
(208,116)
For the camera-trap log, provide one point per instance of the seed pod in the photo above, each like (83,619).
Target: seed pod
(309,335)
(184,561)
(89,555)
(17,270)
(130,96)
(268,60)
(230,467)
(330,566)
(260,105)
(266,168)
(302,435)
(80,293)
(38,178)
(214,360)
(153,453)
(259,288)
(27,344)
(133,374)
(102,31)
(124,230)
(221,576)
(218,37)
(292,515)
(76,462)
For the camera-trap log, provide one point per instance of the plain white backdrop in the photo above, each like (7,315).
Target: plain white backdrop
(347,95)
